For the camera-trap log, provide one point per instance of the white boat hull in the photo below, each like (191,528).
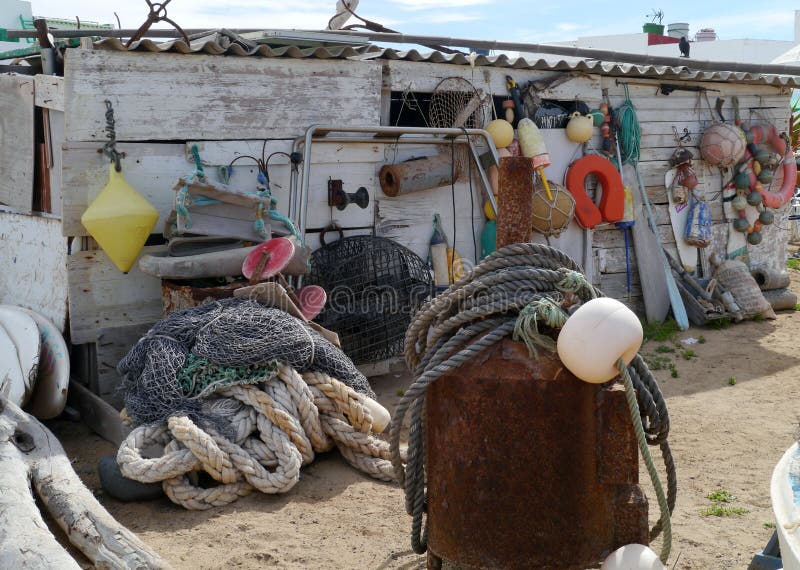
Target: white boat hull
(785,493)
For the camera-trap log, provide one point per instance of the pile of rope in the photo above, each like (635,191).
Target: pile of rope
(219,388)
(521,290)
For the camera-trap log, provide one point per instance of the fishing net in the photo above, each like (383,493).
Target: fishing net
(185,358)
(457,103)
(374,287)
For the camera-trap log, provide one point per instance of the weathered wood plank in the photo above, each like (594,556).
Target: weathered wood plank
(33,265)
(98,414)
(615,285)
(112,346)
(616,88)
(150,168)
(48,92)
(153,169)
(205,97)
(101,297)
(17,136)
(424,77)
(56,122)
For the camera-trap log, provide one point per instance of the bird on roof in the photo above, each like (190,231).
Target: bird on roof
(684,47)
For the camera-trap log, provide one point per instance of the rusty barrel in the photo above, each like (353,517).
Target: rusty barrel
(529,467)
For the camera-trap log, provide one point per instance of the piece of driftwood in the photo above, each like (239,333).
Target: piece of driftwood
(418,174)
(31,455)
(220,192)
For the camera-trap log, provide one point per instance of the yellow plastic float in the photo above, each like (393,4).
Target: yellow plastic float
(120,220)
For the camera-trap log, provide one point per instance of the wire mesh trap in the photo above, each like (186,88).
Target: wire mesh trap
(374,287)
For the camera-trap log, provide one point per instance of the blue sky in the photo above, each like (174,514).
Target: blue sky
(511,20)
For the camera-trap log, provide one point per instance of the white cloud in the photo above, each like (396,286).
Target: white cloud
(435,4)
(448,17)
(570,27)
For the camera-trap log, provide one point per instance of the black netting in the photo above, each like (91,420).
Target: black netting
(374,287)
(191,353)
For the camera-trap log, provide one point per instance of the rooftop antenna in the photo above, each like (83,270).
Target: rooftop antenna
(656,16)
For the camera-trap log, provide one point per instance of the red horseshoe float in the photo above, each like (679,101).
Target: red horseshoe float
(770,135)
(612,200)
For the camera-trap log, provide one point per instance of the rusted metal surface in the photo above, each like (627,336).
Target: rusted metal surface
(176,295)
(515,451)
(515,203)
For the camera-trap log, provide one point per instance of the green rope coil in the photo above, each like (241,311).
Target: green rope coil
(633,407)
(628,131)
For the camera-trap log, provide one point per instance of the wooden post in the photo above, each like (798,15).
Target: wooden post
(515,203)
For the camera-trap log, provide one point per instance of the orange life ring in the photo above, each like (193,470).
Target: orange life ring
(771,199)
(612,200)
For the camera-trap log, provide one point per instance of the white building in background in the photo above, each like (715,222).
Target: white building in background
(12,14)
(704,44)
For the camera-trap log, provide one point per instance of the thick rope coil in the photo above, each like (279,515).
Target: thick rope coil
(277,427)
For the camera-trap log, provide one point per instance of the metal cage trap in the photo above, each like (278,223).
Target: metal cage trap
(374,288)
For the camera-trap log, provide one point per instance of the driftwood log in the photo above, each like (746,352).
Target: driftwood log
(31,456)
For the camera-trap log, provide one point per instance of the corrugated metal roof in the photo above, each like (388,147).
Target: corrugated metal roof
(222,45)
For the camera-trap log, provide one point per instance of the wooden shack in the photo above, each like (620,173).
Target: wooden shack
(232,102)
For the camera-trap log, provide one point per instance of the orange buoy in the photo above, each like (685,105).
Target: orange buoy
(612,200)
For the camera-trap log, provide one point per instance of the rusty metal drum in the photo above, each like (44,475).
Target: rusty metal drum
(529,467)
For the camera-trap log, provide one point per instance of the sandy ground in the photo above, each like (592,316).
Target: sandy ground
(734,409)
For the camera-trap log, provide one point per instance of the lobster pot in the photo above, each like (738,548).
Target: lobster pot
(529,467)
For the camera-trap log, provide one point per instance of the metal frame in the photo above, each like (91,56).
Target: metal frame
(298,201)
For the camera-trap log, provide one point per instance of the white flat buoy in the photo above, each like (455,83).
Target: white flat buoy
(50,394)
(12,383)
(679,217)
(24,333)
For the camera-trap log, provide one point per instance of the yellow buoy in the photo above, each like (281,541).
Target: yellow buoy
(120,220)
(501,131)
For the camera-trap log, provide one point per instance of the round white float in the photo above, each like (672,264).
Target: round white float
(599,333)
(632,557)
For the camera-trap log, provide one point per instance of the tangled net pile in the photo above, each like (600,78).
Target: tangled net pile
(219,386)
(518,290)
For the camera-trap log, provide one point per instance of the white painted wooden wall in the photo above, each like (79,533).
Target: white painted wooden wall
(165,103)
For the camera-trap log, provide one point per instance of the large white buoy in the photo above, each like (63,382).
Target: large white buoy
(632,557)
(599,333)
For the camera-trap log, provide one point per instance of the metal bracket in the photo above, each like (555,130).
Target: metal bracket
(341,199)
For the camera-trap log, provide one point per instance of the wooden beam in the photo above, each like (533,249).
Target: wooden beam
(101,297)
(206,97)
(98,414)
(49,92)
(17,148)
(33,265)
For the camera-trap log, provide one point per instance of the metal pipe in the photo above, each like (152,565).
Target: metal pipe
(301,202)
(577,52)
(126,33)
